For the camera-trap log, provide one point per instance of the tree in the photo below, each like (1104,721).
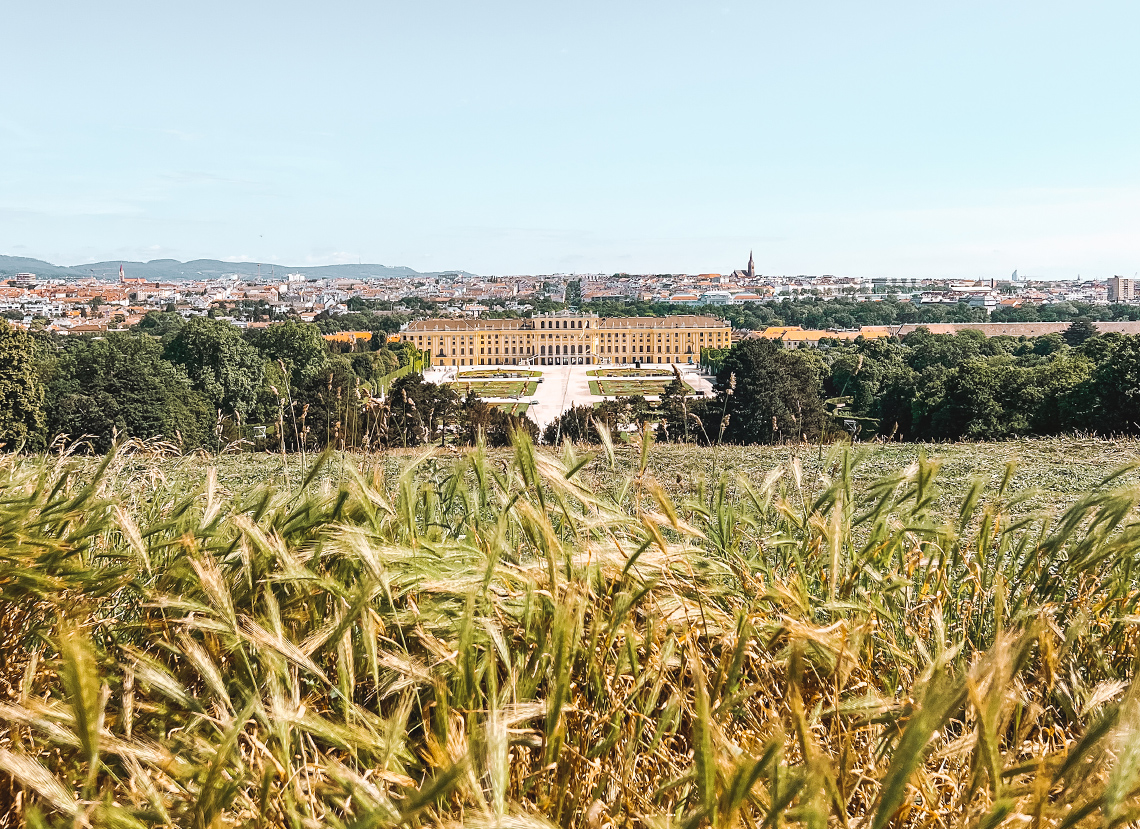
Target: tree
(948,350)
(1113,392)
(415,409)
(682,415)
(983,400)
(1048,344)
(496,427)
(1078,331)
(21,391)
(1058,380)
(298,346)
(121,383)
(776,395)
(576,425)
(161,324)
(221,365)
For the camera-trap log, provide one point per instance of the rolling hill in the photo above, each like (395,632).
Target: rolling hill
(171,269)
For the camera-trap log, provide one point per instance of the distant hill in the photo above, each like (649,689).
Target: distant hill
(19,264)
(169,270)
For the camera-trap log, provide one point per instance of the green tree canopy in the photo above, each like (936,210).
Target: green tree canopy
(161,324)
(1080,330)
(221,365)
(776,395)
(298,346)
(21,392)
(1113,392)
(122,383)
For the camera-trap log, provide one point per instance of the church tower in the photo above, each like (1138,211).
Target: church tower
(751,266)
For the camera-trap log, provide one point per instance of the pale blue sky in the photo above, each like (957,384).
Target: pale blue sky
(872,138)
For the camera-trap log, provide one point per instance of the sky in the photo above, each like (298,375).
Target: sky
(963,139)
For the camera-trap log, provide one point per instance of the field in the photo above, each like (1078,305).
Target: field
(518,409)
(498,373)
(1050,472)
(639,636)
(623,387)
(497,388)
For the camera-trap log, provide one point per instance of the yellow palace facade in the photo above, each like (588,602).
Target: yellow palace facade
(567,339)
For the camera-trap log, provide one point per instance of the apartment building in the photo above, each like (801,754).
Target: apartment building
(1121,289)
(567,339)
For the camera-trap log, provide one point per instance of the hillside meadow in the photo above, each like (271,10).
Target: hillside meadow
(638,635)
(1055,470)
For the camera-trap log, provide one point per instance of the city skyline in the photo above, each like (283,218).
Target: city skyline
(111,268)
(883,140)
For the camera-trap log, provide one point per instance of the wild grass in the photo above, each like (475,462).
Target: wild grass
(542,639)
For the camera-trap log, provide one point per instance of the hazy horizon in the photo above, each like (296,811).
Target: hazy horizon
(886,139)
(112,263)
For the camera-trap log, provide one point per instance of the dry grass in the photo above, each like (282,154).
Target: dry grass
(652,636)
(1056,470)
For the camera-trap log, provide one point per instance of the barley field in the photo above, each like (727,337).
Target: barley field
(639,635)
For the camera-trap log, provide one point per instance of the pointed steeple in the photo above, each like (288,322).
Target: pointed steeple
(751,266)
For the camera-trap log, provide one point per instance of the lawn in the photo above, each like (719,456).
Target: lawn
(498,373)
(623,387)
(497,388)
(615,371)
(518,409)
(890,636)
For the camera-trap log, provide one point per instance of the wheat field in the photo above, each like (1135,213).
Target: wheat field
(628,636)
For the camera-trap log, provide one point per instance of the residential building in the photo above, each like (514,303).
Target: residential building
(1121,289)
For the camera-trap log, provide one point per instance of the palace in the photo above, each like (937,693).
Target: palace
(567,339)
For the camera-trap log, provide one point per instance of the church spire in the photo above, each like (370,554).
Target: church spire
(751,266)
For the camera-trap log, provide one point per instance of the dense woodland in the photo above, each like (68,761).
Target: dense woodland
(205,383)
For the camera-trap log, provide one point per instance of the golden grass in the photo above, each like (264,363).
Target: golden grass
(533,638)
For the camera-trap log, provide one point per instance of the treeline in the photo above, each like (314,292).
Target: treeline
(924,387)
(965,386)
(808,312)
(207,383)
(840,313)
(194,383)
